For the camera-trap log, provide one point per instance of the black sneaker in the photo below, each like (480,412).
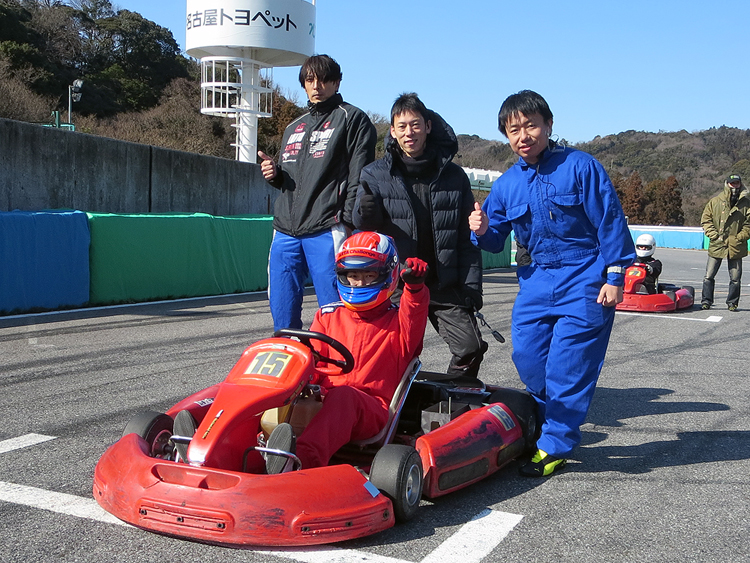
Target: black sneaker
(282,438)
(732,308)
(705,306)
(184,425)
(541,465)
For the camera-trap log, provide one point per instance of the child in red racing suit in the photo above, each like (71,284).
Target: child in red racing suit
(382,337)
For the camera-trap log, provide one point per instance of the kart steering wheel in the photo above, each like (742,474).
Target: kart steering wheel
(305,336)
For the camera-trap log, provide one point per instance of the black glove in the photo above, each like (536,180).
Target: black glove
(415,272)
(369,208)
(523,258)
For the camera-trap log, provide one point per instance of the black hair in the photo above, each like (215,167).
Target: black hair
(323,67)
(409,102)
(526,102)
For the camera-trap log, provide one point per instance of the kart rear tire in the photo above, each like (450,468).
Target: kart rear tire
(524,407)
(690,289)
(155,428)
(397,472)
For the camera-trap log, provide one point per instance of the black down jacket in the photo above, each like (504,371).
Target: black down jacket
(459,262)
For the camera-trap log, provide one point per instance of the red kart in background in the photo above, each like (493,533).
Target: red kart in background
(441,436)
(668,297)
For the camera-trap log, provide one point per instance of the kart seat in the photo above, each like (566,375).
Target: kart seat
(394,409)
(300,413)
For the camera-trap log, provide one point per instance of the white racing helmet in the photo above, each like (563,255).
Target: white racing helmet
(645,245)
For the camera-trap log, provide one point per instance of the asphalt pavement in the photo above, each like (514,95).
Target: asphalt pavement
(661,475)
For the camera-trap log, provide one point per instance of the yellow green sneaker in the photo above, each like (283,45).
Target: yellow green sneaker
(541,465)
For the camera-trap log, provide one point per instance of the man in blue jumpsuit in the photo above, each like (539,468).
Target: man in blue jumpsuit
(562,207)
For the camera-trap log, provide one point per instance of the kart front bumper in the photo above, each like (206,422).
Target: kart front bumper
(307,507)
(656,302)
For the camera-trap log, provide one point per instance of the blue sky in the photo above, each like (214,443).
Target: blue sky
(604,66)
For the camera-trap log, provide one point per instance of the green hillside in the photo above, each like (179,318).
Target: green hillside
(699,161)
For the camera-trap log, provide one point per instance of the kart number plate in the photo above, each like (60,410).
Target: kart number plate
(269,363)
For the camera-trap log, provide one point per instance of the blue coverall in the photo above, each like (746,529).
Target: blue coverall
(291,260)
(564,209)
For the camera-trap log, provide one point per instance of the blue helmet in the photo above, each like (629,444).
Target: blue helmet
(371,252)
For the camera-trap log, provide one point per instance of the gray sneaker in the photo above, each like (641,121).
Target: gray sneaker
(184,425)
(282,438)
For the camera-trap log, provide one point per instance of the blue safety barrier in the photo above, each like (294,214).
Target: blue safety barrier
(44,260)
(671,237)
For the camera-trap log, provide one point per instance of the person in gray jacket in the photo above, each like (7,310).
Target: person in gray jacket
(420,198)
(726,222)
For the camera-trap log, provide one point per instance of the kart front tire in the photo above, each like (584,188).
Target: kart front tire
(690,289)
(397,472)
(154,427)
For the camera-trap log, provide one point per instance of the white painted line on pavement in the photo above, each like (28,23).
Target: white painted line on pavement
(62,503)
(470,544)
(711,319)
(476,539)
(23,442)
(331,555)
(130,305)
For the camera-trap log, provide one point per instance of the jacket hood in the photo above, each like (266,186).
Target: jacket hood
(728,191)
(441,138)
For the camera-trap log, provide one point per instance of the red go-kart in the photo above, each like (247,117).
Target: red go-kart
(668,297)
(441,436)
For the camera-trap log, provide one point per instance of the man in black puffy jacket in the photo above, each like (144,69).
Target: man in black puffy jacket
(322,155)
(416,195)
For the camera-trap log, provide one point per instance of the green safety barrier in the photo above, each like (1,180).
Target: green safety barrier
(499,260)
(165,256)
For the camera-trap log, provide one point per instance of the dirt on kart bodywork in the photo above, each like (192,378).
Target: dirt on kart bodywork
(443,435)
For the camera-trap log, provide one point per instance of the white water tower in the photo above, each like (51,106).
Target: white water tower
(238,43)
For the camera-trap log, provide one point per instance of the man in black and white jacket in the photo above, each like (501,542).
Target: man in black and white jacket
(322,155)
